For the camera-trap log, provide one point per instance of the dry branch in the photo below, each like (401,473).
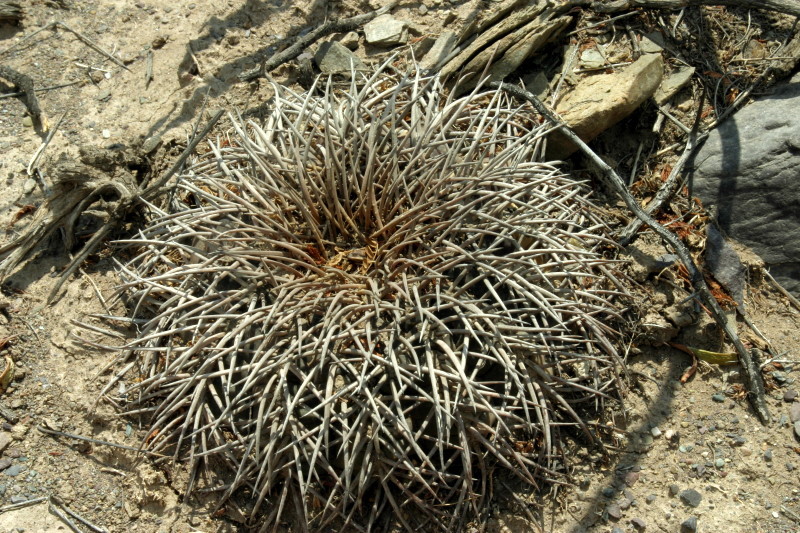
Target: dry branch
(609,177)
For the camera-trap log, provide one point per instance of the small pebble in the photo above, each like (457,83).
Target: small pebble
(655,432)
(719,463)
(768,455)
(608,492)
(674,489)
(747,452)
(423,9)
(790,467)
(689,525)
(738,440)
(13,470)
(614,511)
(29,186)
(617,529)
(27,121)
(685,448)
(794,412)
(670,434)
(650,498)
(718,397)
(691,497)
(797,429)
(16,498)
(106,134)
(789,395)
(624,503)
(639,524)
(631,478)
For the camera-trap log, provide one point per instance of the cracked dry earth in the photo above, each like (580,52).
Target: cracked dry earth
(683,450)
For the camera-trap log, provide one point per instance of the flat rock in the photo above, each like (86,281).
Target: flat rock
(673,83)
(747,170)
(600,101)
(386,30)
(334,58)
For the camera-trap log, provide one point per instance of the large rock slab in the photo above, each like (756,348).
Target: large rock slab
(601,100)
(748,171)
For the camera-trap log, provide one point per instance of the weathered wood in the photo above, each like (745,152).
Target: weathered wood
(10,11)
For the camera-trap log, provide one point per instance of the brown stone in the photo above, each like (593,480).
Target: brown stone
(600,101)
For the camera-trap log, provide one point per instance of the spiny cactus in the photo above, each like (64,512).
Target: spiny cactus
(361,304)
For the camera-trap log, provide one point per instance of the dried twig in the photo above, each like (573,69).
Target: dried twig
(85,40)
(20,505)
(334,26)
(669,186)
(614,182)
(55,433)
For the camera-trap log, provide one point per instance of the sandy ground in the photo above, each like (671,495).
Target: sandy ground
(744,472)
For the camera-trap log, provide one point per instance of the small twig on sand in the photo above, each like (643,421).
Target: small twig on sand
(55,433)
(53,508)
(20,505)
(334,26)
(32,166)
(795,302)
(85,40)
(57,501)
(611,178)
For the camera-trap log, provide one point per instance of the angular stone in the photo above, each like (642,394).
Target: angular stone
(747,169)
(600,101)
(672,84)
(386,30)
(350,40)
(442,47)
(5,440)
(334,58)
(691,497)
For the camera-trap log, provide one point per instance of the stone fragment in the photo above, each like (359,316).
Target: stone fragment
(334,58)
(747,171)
(673,83)
(639,523)
(442,47)
(614,511)
(691,497)
(652,43)
(29,186)
(592,58)
(350,40)
(386,30)
(689,525)
(600,101)
(797,429)
(5,440)
(794,412)
(789,395)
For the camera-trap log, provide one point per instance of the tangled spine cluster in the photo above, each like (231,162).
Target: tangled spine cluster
(361,303)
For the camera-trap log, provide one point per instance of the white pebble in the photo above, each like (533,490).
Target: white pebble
(655,432)
(106,134)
